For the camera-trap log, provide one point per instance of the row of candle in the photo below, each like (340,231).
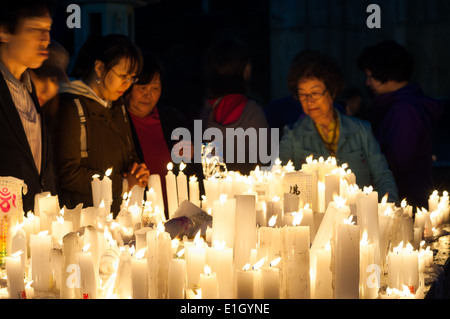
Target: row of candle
(243,226)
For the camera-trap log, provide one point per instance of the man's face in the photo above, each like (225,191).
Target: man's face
(375,85)
(27,47)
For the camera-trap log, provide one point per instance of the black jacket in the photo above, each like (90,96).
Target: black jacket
(16,158)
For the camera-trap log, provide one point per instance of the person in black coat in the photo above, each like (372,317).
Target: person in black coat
(25,148)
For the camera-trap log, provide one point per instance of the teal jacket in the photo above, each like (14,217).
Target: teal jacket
(356,146)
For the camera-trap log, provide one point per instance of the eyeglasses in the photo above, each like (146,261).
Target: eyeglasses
(312,96)
(126,78)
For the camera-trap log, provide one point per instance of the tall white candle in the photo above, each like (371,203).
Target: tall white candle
(15,276)
(270,280)
(332,186)
(245,229)
(154,182)
(182,185)
(171,190)
(177,277)
(220,258)
(368,280)
(139,275)
(323,286)
(195,261)
(42,275)
(346,255)
(194,191)
(88,276)
(208,284)
(224,220)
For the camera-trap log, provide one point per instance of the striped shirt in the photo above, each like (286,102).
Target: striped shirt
(31,120)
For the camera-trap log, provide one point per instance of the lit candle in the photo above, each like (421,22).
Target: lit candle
(154,182)
(323,288)
(433,201)
(15,276)
(296,281)
(177,277)
(368,284)
(20,243)
(195,261)
(182,185)
(40,246)
(245,283)
(88,275)
(139,275)
(194,192)
(220,258)
(332,186)
(347,261)
(60,227)
(245,229)
(223,222)
(270,280)
(208,284)
(123,284)
(171,189)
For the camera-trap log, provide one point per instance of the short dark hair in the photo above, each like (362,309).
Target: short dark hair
(224,67)
(12,11)
(387,60)
(315,64)
(151,67)
(109,49)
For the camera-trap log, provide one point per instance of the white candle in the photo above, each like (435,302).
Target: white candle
(15,276)
(177,277)
(368,281)
(346,256)
(245,283)
(159,252)
(60,227)
(40,246)
(194,192)
(323,287)
(295,258)
(245,229)
(182,185)
(224,220)
(367,210)
(88,275)
(332,186)
(139,275)
(123,284)
(195,261)
(433,201)
(321,196)
(270,280)
(220,258)
(20,243)
(208,284)
(171,190)
(154,182)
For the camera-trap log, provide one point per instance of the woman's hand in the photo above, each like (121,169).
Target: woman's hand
(137,175)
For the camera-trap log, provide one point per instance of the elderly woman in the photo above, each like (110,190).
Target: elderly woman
(315,80)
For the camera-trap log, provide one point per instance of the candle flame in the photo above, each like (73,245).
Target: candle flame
(275,198)
(175,243)
(95,176)
(207,270)
(43,233)
(297,219)
(60,219)
(309,159)
(86,247)
(182,166)
(275,262)
(278,161)
(259,264)
(223,198)
(160,229)
(219,244)
(193,179)
(339,201)
(409,248)
(169,166)
(140,254)
(306,206)
(367,190)
(403,203)
(349,221)
(384,199)
(17,254)
(108,172)
(198,240)
(328,246)
(398,248)
(246,267)
(272,220)
(180,253)
(364,239)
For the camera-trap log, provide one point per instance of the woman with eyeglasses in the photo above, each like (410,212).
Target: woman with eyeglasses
(92,130)
(315,80)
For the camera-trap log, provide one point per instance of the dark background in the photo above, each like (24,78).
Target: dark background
(180,31)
